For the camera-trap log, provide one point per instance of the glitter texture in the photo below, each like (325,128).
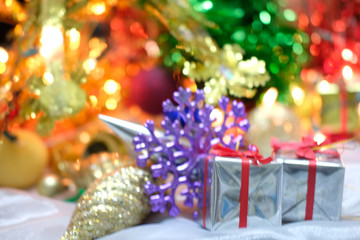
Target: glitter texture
(115,202)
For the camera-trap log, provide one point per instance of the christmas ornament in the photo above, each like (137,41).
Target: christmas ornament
(188,126)
(112,203)
(50,185)
(105,142)
(127,130)
(84,171)
(23,159)
(149,88)
(222,69)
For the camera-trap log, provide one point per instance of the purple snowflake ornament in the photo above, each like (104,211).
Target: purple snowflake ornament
(189,137)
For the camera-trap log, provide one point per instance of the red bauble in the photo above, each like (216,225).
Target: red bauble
(150,88)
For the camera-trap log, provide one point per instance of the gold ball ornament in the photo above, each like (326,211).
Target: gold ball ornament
(23,160)
(50,185)
(112,203)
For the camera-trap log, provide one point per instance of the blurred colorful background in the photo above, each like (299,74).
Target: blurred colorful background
(295,65)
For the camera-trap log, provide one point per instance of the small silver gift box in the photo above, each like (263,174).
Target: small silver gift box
(222,203)
(329,184)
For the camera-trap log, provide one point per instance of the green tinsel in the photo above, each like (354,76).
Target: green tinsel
(265,29)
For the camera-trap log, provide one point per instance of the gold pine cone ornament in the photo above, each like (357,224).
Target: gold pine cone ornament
(112,203)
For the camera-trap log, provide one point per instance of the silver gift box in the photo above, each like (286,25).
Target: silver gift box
(223,191)
(329,184)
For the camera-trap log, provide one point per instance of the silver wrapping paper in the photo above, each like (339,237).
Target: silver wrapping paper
(329,184)
(223,191)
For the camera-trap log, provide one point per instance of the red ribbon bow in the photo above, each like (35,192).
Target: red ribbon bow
(305,149)
(257,158)
(254,155)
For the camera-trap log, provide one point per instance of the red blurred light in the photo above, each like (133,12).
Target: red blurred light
(137,29)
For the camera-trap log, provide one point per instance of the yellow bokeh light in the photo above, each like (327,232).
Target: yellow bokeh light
(110,86)
(324,86)
(347,73)
(74,36)
(89,65)
(298,95)
(218,115)
(93,100)
(84,137)
(4,56)
(98,8)
(319,138)
(2,67)
(111,104)
(8,3)
(48,78)
(347,54)
(270,96)
(16,78)
(51,40)
(97,46)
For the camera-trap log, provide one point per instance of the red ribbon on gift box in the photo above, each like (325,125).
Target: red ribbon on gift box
(256,157)
(306,149)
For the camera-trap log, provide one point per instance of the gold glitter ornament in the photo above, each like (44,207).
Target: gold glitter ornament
(115,202)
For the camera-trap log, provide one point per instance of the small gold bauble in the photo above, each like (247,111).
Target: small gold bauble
(50,185)
(22,161)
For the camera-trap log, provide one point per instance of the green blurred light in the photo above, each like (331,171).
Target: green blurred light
(264,36)
(297,48)
(168,61)
(239,13)
(265,17)
(176,57)
(274,68)
(289,39)
(238,36)
(257,26)
(207,5)
(305,38)
(252,38)
(303,58)
(281,38)
(271,7)
(293,67)
(289,15)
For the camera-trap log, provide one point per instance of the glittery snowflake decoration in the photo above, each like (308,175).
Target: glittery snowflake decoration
(189,137)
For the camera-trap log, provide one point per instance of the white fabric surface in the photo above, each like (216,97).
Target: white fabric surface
(28,216)
(45,224)
(17,208)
